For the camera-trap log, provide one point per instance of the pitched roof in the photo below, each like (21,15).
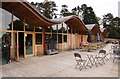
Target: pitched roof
(93,28)
(90,26)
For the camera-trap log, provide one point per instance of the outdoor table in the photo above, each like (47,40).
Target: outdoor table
(92,59)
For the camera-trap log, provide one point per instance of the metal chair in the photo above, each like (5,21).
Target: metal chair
(116,54)
(101,57)
(80,62)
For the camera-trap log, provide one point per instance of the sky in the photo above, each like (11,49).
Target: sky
(100,7)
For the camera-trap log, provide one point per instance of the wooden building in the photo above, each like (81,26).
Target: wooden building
(27,30)
(95,31)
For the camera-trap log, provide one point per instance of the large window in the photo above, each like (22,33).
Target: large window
(59,38)
(48,29)
(54,36)
(54,28)
(65,38)
(38,29)
(64,28)
(59,28)
(48,37)
(29,27)
(38,38)
(18,25)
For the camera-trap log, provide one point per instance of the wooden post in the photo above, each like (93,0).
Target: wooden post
(24,38)
(57,36)
(43,39)
(51,30)
(34,41)
(17,47)
(12,40)
(62,39)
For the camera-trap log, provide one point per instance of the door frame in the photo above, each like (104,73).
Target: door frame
(33,44)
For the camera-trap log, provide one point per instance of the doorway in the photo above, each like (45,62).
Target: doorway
(28,44)
(21,44)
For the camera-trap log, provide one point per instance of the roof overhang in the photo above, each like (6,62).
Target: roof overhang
(94,28)
(73,21)
(24,9)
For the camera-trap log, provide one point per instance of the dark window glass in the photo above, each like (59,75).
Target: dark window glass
(38,29)
(54,28)
(18,25)
(54,36)
(65,38)
(48,37)
(64,28)
(59,38)
(48,29)
(59,28)
(29,27)
(38,38)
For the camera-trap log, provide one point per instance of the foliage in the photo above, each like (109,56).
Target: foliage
(65,11)
(112,24)
(89,16)
(47,9)
(76,10)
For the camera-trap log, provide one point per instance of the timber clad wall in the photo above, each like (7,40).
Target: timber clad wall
(41,23)
(70,26)
(85,38)
(39,50)
(73,42)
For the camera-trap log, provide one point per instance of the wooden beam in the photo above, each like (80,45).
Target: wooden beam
(24,38)
(24,23)
(17,47)
(57,36)
(34,41)
(62,37)
(43,39)
(12,41)
(51,30)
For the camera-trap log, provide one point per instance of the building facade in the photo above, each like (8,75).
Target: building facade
(29,33)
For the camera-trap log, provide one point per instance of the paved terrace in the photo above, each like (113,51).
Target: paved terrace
(59,65)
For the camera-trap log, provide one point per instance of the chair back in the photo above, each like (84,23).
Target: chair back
(77,55)
(102,51)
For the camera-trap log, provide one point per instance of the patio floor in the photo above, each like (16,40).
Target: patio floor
(58,65)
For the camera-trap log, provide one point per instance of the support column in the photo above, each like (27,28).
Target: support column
(57,37)
(62,38)
(71,38)
(24,38)
(12,40)
(44,39)
(17,56)
(34,42)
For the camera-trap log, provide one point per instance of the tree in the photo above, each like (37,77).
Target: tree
(107,19)
(112,24)
(47,9)
(76,11)
(89,16)
(64,10)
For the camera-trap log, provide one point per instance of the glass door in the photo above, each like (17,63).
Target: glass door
(29,44)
